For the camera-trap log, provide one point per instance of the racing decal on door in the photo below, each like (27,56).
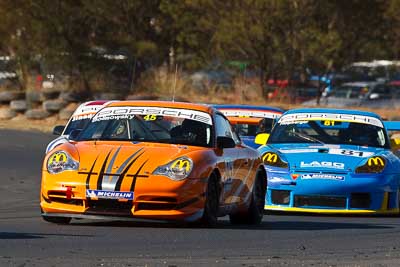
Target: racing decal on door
(228,175)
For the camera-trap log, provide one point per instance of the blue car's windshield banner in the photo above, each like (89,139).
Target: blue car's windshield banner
(304,117)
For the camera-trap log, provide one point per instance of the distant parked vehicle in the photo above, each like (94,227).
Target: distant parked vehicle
(367,94)
(376,70)
(204,79)
(8,75)
(303,93)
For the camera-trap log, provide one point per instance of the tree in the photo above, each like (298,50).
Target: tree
(68,31)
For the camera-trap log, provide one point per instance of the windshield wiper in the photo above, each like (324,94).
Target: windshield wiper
(114,139)
(105,139)
(308,138)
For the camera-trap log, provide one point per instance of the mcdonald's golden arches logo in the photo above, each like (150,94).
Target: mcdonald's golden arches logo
(182,164)
(376,161)
(58,157)
(270,157)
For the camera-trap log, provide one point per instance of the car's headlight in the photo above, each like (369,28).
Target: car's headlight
(373,165)
(272,159)
(61,161)
(177,169)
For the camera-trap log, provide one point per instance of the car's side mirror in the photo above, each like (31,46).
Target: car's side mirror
(74,134)
(395,142)
(261,139)
(225,142)
(58,129)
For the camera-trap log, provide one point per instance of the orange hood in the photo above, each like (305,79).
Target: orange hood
(110,165)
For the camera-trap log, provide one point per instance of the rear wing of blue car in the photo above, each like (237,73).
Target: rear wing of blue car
(392,125)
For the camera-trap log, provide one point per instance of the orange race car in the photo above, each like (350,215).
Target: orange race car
(249,121)
(154,160)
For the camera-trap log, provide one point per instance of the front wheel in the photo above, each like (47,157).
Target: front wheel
(211,205)
(255,211)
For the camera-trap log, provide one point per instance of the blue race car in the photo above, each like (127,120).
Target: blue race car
(331,161)
(250,120)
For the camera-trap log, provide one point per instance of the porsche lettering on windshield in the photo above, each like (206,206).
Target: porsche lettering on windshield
(335,129)
(170,112)
(152,124)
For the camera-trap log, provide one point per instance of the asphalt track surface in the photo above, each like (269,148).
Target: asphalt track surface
(281,240)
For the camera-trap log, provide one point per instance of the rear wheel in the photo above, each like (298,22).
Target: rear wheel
(255,211)
(57,220)
(211,205)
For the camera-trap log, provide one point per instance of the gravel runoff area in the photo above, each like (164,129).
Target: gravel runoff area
(23,124)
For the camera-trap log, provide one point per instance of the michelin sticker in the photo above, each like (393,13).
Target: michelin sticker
(322,176)
(109,194)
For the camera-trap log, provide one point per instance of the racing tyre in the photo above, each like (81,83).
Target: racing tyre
(53,105)
(36,114)
(18,105)
(57,220)
(211,205)
(255,211)
(6,114)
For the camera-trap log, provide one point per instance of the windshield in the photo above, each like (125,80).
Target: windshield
(323,131)
(245,129)
(251,129)
(76,124)
(350,91)
(142,124)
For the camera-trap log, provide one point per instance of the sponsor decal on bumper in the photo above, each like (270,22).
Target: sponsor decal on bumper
(322,176)
(109,194)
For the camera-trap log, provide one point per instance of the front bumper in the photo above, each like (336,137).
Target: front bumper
(343,193)
(155,198)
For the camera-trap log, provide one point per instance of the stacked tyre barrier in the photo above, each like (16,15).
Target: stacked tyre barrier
(49,102)
(37,105)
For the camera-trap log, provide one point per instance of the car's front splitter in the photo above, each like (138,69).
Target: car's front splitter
(194,217)
(331,211)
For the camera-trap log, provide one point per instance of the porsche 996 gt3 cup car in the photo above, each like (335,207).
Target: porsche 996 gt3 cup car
(79,119)
(248,121)
(331,161)
(154,160)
